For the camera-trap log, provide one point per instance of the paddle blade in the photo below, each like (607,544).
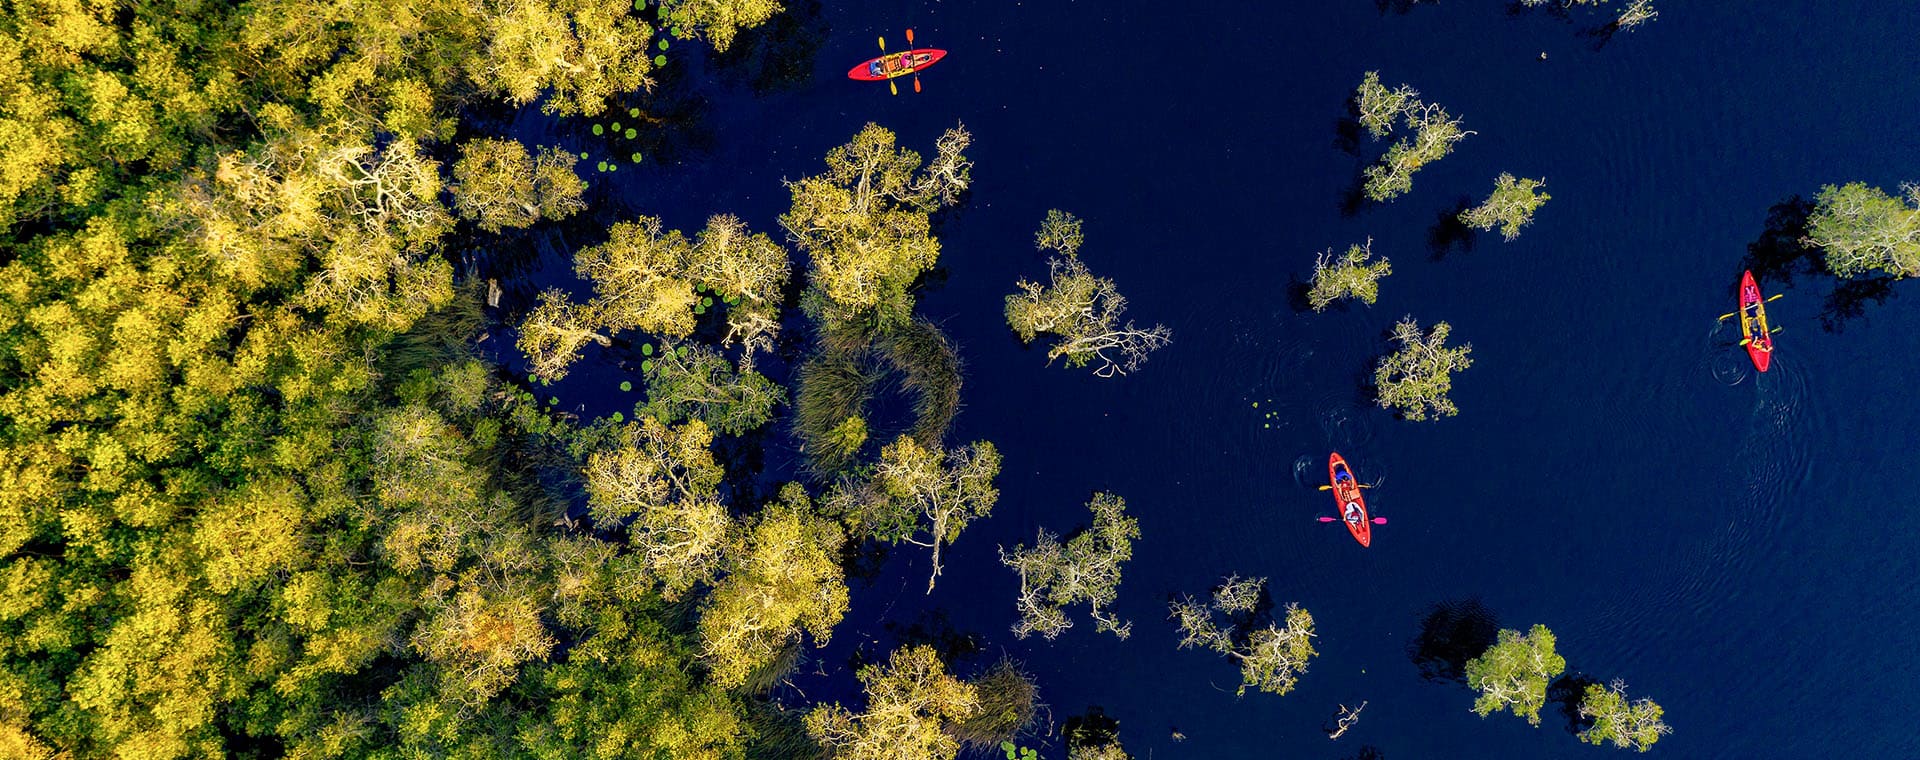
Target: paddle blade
(1326,488)
(909,37)
(1379,521)
(894,88)
(883,44)
(1776,297)
(1328,519)
(1730,315)
(916,83)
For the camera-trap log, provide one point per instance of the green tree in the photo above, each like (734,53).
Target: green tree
(664,479)
(695,382)
(1352,275)
(717,20)
(864,224)
(556,330)
(750,271)
(1082,310)
(1379,107)
(1417,378)
(1435,133)
(642,278)
(1635,13)
(916,489)
(1086,569)
(1624,723)
(911,704)
(1862,229)
(783,577)
(1271,657)
(498,185)
(1514,673)
(1510,207)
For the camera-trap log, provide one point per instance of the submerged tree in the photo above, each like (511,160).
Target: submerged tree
(1379,107)
(716,20)
(1624,723)
(865,226)
(1635,13)
(783,577)
(912,705)
(750,271)
(1354,274)
(916,489)
(1271,657)
(1514,673)
(498,185)
(1081,309)
(1416,378)
(1086,569)
(695,382)
(1510,207)
(1862,229)
(1435,133)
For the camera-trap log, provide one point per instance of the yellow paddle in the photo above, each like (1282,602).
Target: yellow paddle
(891,87)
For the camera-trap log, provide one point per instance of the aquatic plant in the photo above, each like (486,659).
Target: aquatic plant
(1514,673)
(1086,569)
(1354,274)
(1435,133)
(1416,378)
(1008,701)
(1379,107)
(1510,207)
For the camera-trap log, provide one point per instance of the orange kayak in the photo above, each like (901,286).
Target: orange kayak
(1352,506)
(898,64)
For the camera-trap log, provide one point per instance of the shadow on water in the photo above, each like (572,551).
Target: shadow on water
(1367,752)
(1451,633)
(1567,691)
(932,628)
(1448,233)
(1781,254)
(779,56)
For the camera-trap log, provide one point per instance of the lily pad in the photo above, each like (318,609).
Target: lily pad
(599,130)
(634,112)
(706,302)
(615,127)
(583,155)
(603,166)
(659,60)
(626,385)
(699,310)
(663,44)
(635,158)
(532,378)
(647,349)
(554,400)
(618,417)
(680,352)
(632,133)
(646,366)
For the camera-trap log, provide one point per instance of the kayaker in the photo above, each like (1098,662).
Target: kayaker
(1353,512)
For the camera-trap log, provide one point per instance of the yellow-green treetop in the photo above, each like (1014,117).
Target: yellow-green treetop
(911,703)
(783,577)
(498,185)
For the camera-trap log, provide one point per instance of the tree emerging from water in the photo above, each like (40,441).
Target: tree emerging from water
(1635,724)
(1435,132)
(1084,570)
(1510,207)
(1379,107)
(1081,310)
(1271,656)
(1354,274)
(1861,229)
(1632,15)
(1417,378)
(1514,673)
(913,705)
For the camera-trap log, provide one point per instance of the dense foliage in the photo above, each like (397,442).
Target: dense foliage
(1616,720)
(1514,673)
(1354,274)
(912,704)
(1862,229)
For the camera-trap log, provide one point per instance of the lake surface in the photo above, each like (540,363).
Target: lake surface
(1737,546)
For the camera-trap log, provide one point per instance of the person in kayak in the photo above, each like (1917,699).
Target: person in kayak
(1353,512)
(1758,335)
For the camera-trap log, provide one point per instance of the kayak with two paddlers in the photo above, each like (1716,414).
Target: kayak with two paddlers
(1755,334)
(1353,506)
(890,66)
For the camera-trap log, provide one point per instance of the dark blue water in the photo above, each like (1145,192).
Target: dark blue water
(1737,546)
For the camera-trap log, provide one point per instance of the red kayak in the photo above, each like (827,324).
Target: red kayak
(1346,493)
(894,65)
(1753,323)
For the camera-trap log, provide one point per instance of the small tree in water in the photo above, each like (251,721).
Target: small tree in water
(1083,310)
(1510,207)
(1272,657)
(1417,378)
(1379,107)
(1635,724)
(1354,274)
(1514,673)
(1085,569)
(1435,132)
(1861,229)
